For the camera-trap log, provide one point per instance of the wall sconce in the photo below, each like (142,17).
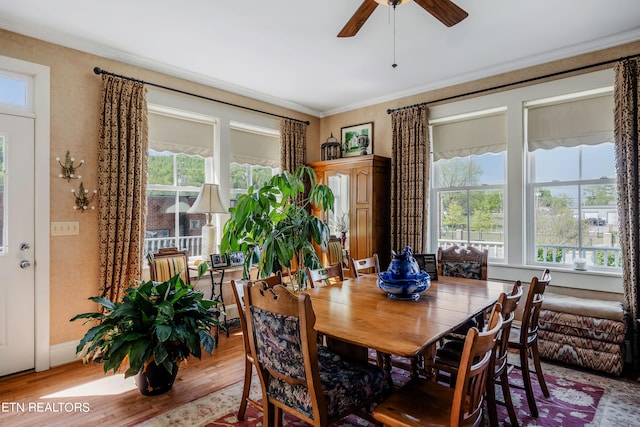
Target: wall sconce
(82,201)
(68,169)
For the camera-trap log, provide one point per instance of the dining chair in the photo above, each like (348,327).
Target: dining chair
(296,374)
(325,275)
(370,265)
(424,402)
(524,339)
(470,263)
(448,358)
(238,293)
(168,262)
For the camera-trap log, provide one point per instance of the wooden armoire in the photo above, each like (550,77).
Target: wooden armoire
(362,190)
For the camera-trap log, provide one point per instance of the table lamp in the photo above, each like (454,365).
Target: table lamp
(208,202)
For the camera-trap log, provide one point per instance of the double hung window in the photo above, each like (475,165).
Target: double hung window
(469,180)
(572,180)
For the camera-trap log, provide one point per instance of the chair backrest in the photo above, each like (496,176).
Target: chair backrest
(532,307)
(284,346)
(335,251)
(470,263)
(372,264)
(168,262)
(471,382)
(238,293)
(509,304)
(325,275)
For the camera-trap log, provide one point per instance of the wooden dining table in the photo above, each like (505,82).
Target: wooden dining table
(358,312)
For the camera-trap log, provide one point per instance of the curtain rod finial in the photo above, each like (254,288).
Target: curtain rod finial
(97,70)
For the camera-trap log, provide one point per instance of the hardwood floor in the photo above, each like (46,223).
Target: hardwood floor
(82,395)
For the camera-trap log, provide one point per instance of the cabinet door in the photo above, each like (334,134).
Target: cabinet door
(363,215)
(339,219)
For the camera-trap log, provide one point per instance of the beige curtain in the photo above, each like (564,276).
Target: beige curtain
(409,178)
(293,146)
(122,183)
(627,138)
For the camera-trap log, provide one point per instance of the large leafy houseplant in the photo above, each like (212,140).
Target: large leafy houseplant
(275,223)
(156,322)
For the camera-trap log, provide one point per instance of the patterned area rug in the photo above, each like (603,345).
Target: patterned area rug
(577,398)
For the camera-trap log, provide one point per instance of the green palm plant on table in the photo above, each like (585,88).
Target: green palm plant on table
(275,223)
(154,327)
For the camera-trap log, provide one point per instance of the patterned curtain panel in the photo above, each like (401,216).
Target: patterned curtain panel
(293,147)
(122,183)
(409,178)
(627,138)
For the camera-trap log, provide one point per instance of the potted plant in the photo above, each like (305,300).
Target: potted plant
(274,224)
(153,328)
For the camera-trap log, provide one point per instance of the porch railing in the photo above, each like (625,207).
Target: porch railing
(192,243)
(597,256)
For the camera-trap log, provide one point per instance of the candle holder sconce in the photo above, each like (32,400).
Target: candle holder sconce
(82,198)
(68,169)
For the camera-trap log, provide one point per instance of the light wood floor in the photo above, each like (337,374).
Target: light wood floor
(82,395)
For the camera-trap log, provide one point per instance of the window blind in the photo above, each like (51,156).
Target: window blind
(255,148)
(585,121)
(180,135)
(470,136)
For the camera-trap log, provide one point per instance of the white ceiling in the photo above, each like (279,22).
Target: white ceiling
(286,51)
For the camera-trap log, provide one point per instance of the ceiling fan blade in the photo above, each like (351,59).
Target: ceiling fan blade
(358,19)
(443,10)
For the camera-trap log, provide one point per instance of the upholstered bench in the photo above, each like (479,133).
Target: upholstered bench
(583,332)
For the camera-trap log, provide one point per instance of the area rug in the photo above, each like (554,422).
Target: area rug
(578,398)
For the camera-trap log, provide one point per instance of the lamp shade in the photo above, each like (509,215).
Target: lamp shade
(208,201)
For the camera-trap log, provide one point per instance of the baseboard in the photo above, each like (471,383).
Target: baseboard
(60,354)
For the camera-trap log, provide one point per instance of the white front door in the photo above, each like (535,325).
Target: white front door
(17,223)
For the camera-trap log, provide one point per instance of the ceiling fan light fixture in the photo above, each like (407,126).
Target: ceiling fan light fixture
(393,3)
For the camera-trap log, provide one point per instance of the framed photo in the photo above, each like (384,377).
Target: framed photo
(428,263)
(219,260)
(236,258)
(357,140)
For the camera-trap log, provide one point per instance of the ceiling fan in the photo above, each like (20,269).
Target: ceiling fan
(443,10)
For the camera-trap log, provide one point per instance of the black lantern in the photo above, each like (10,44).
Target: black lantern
(331,149)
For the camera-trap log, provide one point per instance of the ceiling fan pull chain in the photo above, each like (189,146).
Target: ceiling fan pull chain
(394,65)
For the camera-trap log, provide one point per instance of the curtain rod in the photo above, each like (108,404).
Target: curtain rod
(99,70)
(475,92)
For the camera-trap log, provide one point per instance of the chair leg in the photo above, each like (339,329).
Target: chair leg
(506,392)
(248,370)
(536,362)
(492,408)
(526,378)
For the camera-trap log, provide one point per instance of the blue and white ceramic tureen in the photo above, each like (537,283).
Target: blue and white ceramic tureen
(403,279)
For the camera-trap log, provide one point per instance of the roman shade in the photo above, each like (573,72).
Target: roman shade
(467,136)
(584,121)
(255,148)
(180,135)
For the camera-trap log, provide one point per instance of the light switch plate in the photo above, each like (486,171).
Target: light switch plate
(65,228)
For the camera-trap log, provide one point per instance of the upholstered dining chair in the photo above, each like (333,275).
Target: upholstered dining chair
(423,402)
(524,339)
(325,275)
(370,265)
(168,262)
(448,358)
(238,293)
(296,374)
(470,263)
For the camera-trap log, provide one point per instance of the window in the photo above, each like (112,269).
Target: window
(15,90)
(255,157)
(180,161)
(469,180)
(572,187)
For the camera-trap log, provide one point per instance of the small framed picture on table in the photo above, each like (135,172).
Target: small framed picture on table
(428,263)
(219,260)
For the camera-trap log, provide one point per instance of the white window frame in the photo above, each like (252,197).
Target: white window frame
(517,204)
